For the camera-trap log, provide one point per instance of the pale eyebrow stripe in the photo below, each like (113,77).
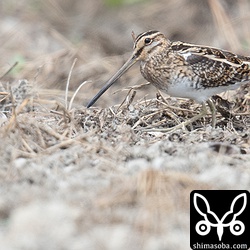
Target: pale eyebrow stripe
(146,33)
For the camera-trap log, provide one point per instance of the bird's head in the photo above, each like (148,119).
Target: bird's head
(145,45)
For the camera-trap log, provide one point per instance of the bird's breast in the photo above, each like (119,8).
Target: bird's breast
(156,73)
(163,70)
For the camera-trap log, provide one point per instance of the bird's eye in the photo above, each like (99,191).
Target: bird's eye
(147,40)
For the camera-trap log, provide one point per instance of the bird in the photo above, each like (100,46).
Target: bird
(184,70)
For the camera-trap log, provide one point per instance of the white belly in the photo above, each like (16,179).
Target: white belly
(185,89)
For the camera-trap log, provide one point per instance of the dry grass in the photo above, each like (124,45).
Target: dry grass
(42,124)
(103,180)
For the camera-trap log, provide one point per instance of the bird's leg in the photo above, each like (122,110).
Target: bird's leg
(213,111)
(189,121)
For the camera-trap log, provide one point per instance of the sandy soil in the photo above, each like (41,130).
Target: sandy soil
(101,178)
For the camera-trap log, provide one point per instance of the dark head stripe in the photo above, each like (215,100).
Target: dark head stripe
(147,33)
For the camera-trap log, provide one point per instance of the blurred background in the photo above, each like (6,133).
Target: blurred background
(45,36)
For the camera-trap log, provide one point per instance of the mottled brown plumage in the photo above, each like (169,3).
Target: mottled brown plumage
(185,70)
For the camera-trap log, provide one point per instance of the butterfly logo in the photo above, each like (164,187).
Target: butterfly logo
(203,227)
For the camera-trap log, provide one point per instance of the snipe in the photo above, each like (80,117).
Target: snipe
(185,70)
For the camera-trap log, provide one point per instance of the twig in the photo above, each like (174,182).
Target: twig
(63,144)
(8,71)
(224,24)
(49,131)
(27,147)
(6,94)
(132,87)
(67,85)
(75,93)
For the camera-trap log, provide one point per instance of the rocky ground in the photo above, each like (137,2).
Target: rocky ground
(102,178)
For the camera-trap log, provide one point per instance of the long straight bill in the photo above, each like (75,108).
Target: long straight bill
(131,61)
